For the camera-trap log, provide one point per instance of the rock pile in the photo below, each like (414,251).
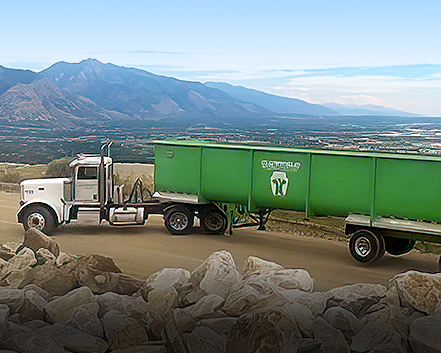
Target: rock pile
(54,302)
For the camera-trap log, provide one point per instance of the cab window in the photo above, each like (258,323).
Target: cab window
(87,173)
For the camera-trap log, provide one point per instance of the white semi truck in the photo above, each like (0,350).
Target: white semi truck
(48,203)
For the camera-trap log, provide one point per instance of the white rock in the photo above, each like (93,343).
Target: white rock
(163,301)
(207,307)
(217,275)
(164,279)
(421,291)
(256,266)
(314,301)
(425,334)
(357,298)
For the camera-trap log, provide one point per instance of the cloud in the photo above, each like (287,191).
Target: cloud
(138,51)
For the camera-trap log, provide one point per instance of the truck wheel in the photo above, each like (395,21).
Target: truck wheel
(214,222)
(38,217)
(398,246)
(366,246)
(179,220)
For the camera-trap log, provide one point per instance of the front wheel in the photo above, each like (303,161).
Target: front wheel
(366,246)
(179,220)
(40,218)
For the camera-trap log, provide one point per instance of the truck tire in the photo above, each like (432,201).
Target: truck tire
(214,221)
(365,246)
(38,217)
(179,220)
(398,246)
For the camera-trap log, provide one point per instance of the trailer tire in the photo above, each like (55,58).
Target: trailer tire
(398,246)
(366,246)
(214,221)
(38,217)
(179,220)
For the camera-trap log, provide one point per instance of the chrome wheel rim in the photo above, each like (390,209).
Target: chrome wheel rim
(363,247)
(36,220)
(178,221)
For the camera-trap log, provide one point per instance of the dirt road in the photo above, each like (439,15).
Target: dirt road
(140,251)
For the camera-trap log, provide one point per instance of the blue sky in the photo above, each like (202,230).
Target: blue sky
(350,52)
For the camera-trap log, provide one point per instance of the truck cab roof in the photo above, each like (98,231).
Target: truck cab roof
(89,160)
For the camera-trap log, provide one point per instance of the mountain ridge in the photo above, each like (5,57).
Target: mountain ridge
(68,95)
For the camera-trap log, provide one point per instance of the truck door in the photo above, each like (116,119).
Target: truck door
(86,184)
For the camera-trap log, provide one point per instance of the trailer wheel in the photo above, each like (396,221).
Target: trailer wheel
(366,246)
(38,217)
(178,220)
(398,246)
(214,221)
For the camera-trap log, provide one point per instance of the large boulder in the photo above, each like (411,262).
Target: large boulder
(166,278)
(207,307)
(343,320)
(251,297)
(35,239)
(425,334)
(73,339)
(32,342)
(217,275)
(203,340)
(123,331)
(379,338)
(254,266)
(272,330)
(53,279)
(134,306)
(33,306)
(4,324)
(420,291)
(357,298)
(331,339)
(17,267)
(13,298)
(58,308)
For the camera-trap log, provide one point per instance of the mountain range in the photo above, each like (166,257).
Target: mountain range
(91,93)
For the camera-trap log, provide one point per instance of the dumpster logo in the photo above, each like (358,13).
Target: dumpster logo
(279,183)
(280,165)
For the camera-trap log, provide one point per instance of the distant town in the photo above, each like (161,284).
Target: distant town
(410,137)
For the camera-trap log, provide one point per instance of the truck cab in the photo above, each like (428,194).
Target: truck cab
(48,203)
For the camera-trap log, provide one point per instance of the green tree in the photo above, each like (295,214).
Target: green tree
(58,168)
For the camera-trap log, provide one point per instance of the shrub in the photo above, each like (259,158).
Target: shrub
(58,168)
